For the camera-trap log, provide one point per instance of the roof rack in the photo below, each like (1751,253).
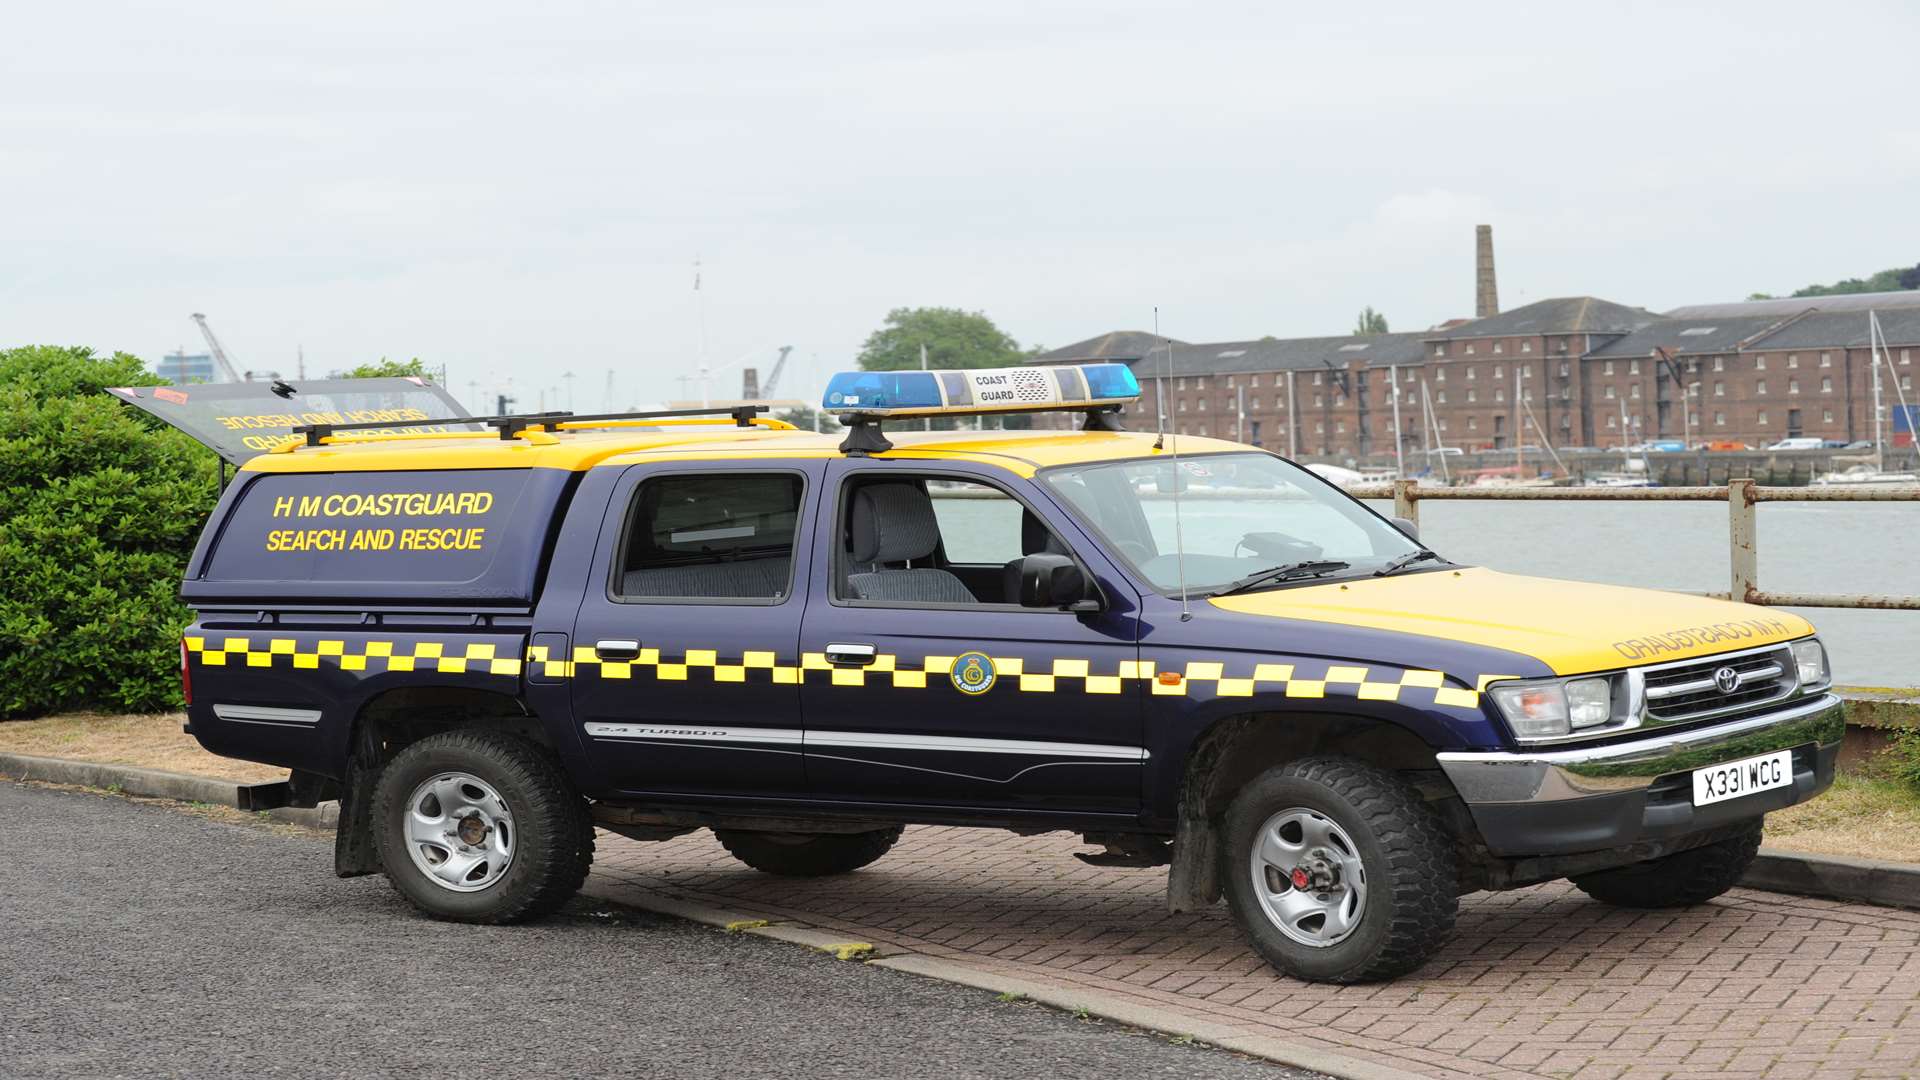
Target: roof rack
(511,426)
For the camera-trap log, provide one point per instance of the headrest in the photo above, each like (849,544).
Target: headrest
(892,522)
(1036,538)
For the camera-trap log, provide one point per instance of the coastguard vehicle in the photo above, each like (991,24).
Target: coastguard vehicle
(488,639)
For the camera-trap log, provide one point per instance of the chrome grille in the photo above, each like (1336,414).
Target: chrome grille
(1690,691)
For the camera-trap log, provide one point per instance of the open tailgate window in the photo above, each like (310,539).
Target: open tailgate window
(241,420)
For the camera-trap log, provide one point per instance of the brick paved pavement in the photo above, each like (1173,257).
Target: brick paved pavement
(1539,982)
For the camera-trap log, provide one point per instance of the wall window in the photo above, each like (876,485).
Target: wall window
(1609,393)
(1181,405)
(1253,403)
(1409,378)
(1253,380)
(1635,391)
(1906,356)
(1761,418)
(1319,400)
(1472,374)
(1316,378)
(1633,367)
(1473,423)
(1826,416)
(1793,360)
(1826,359)
(1441,397)
(1443,425)
(1230,383)
(1564,371)
(1498,348)
(1760,363)
(1760,386)
(1906,382)
(1499,372)
(1340,428)
(1201,406)
(1469,348)
(1439,350)
(1606,368)
(1719,419)
(1526,346)
(1499,394)
(1473,395)
(1719,363)
(1439,374)
(1181,384)
(1613,421)
(1203,431)
(1719,389)
(1200,383)
(1319,427)
(1826,384)
(1793,386)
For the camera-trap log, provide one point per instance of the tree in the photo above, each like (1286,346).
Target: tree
(103,506)
(388,369)
(1897,279)
(1370,322)
(953,339)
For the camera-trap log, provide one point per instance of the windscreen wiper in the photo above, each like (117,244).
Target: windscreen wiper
(1275,575)
(1405,561)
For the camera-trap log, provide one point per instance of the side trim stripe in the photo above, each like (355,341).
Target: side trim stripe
(861,740)
(263,714)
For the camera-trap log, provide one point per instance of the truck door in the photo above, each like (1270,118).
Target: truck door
(927,683)
(685,657)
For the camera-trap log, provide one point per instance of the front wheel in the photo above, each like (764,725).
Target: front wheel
(1338,872)
(1682,879)
(807,854)
(481,827)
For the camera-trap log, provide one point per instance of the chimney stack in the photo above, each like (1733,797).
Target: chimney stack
(1486,296)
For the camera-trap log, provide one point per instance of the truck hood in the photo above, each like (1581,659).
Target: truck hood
(1571,626)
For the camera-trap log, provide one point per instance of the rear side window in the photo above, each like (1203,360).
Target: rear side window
(415,529)
(711,536)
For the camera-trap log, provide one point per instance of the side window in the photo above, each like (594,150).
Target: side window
(979,523)
(710,536)
(935,540)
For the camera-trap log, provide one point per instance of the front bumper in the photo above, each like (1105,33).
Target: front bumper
(1594,798)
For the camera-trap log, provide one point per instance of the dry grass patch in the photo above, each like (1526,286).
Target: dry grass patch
(148,741)
(1863,817)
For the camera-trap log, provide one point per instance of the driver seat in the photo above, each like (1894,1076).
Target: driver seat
(891,527)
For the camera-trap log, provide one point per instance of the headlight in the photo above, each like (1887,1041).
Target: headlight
(1554,709)
(1811,658)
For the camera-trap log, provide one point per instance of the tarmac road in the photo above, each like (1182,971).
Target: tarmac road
(141,941)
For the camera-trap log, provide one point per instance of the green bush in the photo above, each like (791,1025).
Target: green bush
(1905,756)
(99,509)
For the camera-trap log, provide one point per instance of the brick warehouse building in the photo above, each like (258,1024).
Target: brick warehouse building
(1586,371)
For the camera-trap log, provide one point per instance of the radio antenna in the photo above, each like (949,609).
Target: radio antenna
(1173,450)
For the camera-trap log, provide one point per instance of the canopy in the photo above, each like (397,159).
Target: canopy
(241,420)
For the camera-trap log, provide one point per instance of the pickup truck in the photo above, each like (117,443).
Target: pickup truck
(489,639)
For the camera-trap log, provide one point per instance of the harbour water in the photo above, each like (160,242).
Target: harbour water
(1804,547)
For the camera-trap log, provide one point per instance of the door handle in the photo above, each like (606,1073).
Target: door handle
(617,649)
(842,654)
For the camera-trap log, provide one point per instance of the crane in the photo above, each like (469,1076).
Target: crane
(220,361)
(773,377)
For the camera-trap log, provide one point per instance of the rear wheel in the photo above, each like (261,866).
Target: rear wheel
(808,854)
(1338,872)
(1679,880)
(481,827)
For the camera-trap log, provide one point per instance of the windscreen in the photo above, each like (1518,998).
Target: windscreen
(1238,514)
(239,421)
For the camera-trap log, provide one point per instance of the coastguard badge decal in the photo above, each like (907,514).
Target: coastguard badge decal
(972,673)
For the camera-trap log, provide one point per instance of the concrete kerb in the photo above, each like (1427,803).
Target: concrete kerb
(1835,877)
(154,783)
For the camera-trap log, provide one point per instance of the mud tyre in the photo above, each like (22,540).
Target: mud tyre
(1338,872)
(481,827)
(808,854)
(1678,880)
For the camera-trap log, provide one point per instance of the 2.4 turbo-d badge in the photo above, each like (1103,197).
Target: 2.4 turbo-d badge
(972,673)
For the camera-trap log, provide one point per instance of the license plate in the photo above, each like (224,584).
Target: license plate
(1737,779)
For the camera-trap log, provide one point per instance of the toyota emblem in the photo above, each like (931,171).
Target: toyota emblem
(1727,679)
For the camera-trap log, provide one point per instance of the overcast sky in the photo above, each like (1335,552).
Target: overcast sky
(520,190)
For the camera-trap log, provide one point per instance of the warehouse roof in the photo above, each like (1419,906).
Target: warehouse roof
(1561,315)
(1791,305)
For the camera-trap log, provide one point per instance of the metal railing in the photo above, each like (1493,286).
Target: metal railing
(1741,496)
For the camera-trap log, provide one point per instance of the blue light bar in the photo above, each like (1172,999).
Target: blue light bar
(980,390)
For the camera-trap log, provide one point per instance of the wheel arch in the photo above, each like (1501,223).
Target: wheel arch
(1235,749)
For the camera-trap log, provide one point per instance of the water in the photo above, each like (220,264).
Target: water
(1804,547)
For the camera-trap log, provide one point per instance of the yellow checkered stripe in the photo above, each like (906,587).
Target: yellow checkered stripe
(1069,675)
(480,657)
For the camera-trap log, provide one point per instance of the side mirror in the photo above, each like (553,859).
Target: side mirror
(1054,581)
(1407,526)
